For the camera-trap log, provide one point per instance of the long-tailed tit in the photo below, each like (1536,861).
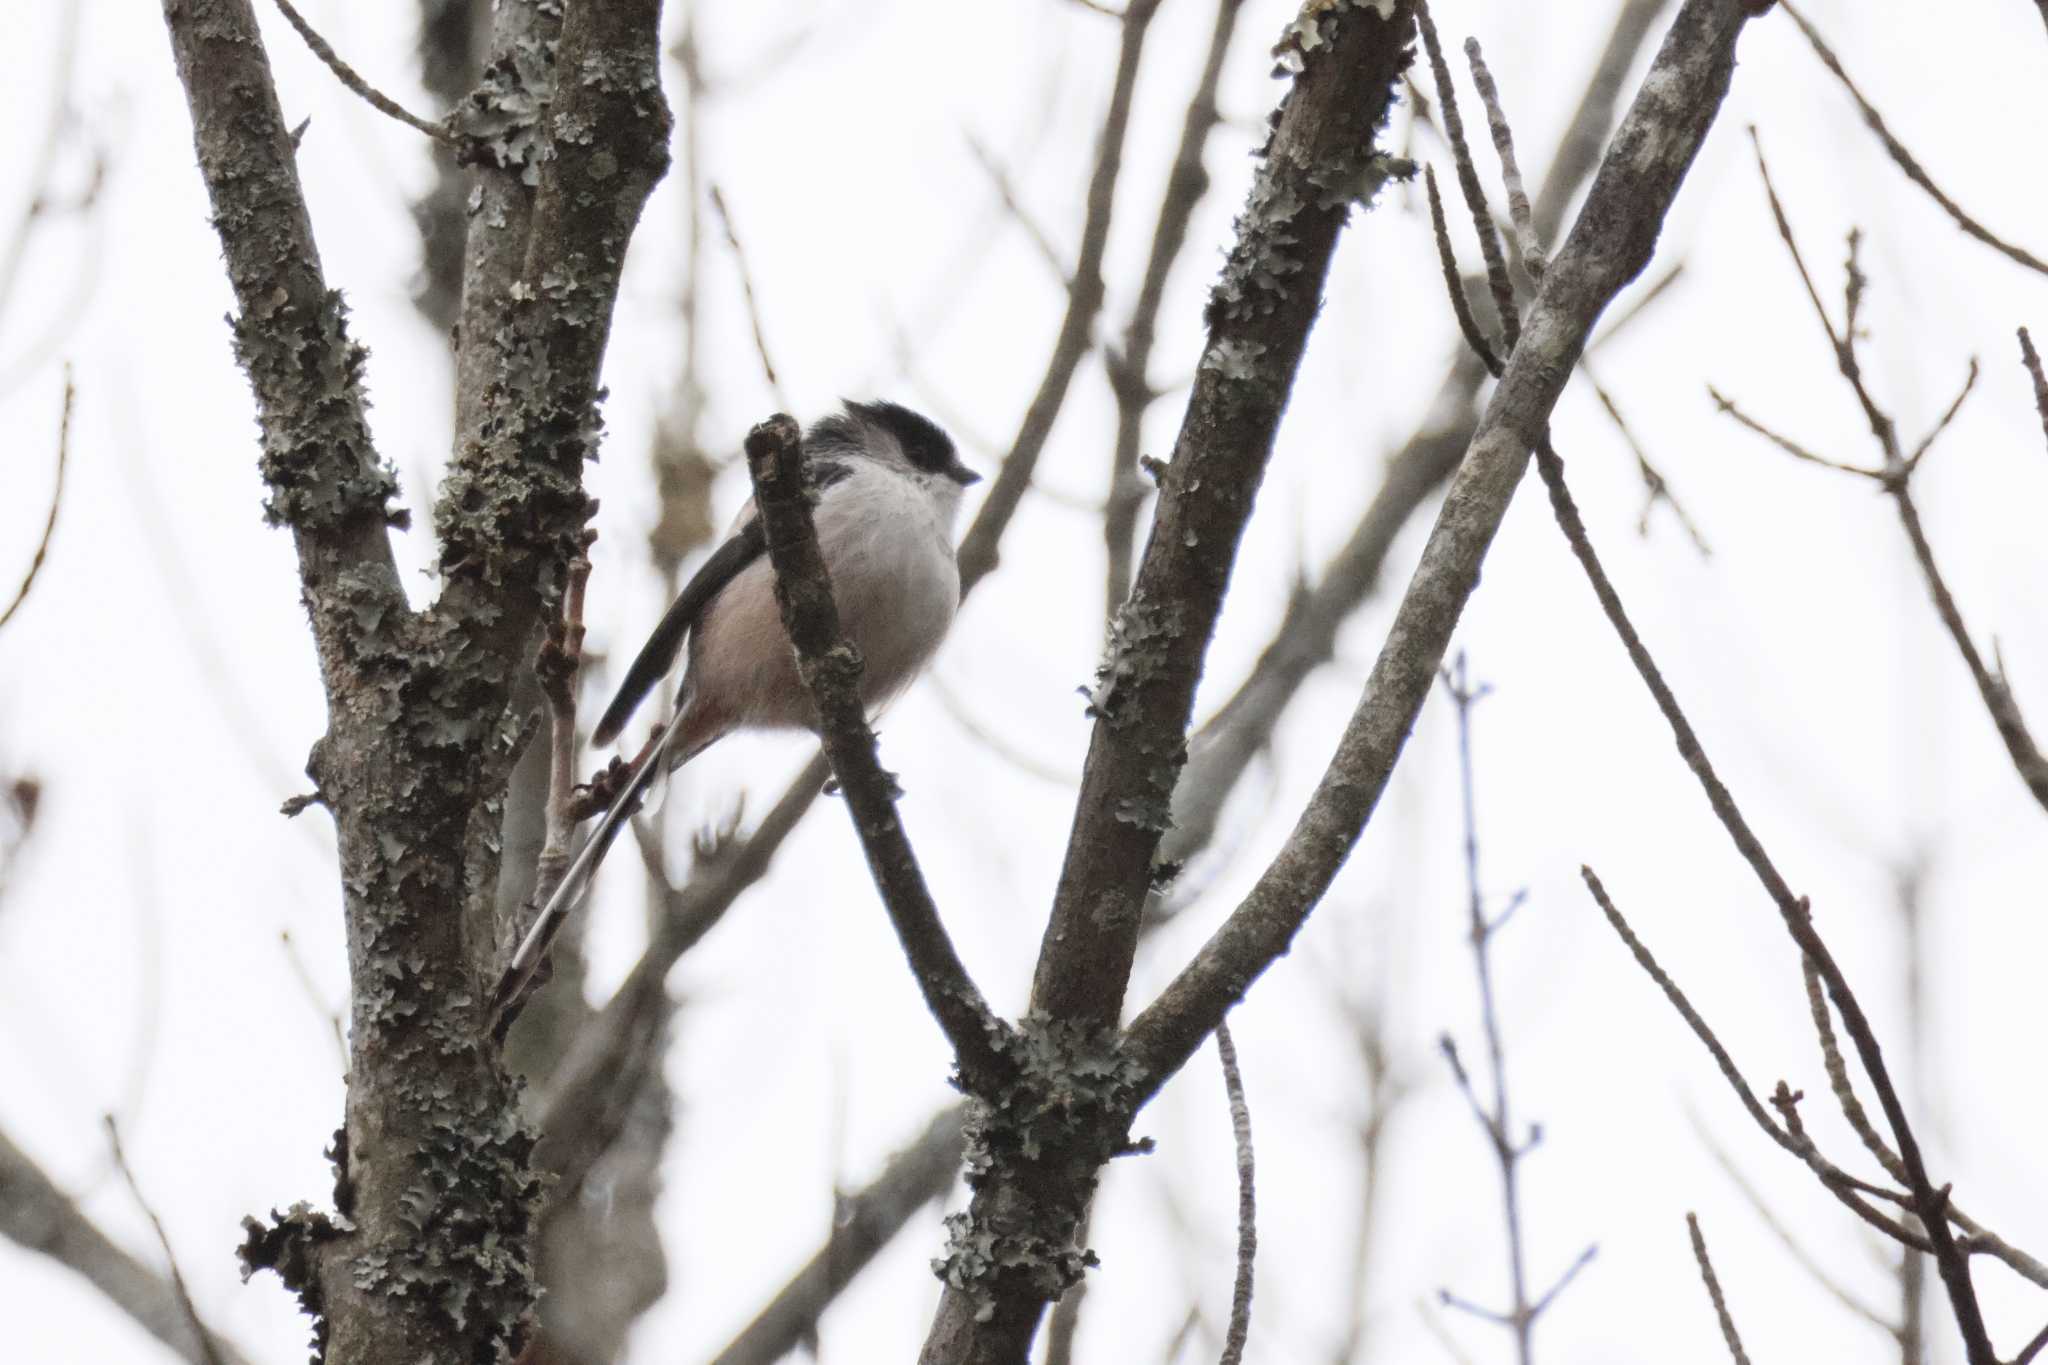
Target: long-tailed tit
(887,485)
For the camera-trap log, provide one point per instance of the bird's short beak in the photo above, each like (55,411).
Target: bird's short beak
(962,475)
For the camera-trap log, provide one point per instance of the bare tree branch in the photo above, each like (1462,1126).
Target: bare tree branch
(1655,488)
(1247,1205)
(346,74)
(831,669)
(1610,244)
(1040,240)
(1229,742)
(2040,1338)
(866,1223)
(40,1217)
(1510,172)
(1259,318)
(207,1350)
(2032,360)
(1793,1246)
(1129,365)
(1895,476)
(1030,1193)
(1468,182)
(41,179)
(419,741)
(978,548)
(323,473)
(1495,1118)
(1728,1332)
(1904,159)
(35,563)
(739,259)
(1930,1204)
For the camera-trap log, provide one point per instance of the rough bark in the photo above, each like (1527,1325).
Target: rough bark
(1037,1144)
(429,1256)
(1318,159)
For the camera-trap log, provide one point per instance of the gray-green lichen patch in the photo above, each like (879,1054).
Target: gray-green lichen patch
(501,122)
(1310,31)
(289,1243)
(1139,643)
(1033,1149)
(317,458)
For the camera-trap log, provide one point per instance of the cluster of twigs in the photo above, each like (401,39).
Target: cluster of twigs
(1928,1219)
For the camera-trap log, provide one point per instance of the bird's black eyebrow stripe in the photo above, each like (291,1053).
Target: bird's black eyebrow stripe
(658,655)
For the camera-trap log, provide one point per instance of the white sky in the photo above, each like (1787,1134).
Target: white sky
(161,684)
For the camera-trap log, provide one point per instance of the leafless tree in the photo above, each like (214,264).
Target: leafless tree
(461,1223)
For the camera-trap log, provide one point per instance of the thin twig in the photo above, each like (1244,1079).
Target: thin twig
(346,74)
(1978,1240)
(1655,488)
(978,548)
(1905,159)
(1533,257)
(1247,1209)
(1806,1259)
(1469,185)
(39,1217)
(956,708)
(191,1310)
(1442,1333)
(1838,1076)
(1034,232)
(739,257)
(1190,1323)
(1522,1314)
(35,564)
(1997,696)
(557,668)
(1929,1203)
(1840,1184)
(1497,1122)
(1699,1253)
(2031,358)
(2040,1339)
(1725,404)
(1926,442)
(1454,280)
(1894,476)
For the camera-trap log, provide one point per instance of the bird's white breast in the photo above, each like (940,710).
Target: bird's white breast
(886,537)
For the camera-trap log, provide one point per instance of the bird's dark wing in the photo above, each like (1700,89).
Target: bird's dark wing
(658,655)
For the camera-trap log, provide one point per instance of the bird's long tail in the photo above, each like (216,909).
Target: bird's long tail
(575,883)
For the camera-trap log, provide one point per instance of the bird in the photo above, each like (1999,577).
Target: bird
(886,483)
